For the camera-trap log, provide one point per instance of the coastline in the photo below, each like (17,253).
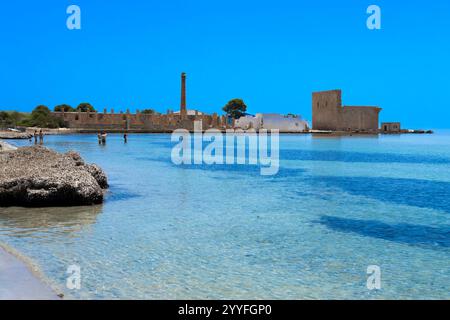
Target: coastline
(20,279)
(70,131)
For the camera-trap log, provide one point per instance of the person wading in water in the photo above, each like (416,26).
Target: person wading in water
(41,137)
(104,135)
(125,137)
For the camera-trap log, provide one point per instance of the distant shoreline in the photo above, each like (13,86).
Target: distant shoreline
(27,135)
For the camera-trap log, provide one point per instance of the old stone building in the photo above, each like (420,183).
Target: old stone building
(329,114)
(390,127)
(139,122)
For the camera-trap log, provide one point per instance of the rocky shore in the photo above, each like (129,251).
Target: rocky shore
(15,135)
(39,177)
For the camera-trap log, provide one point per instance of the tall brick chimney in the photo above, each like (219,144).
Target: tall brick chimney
(183,112)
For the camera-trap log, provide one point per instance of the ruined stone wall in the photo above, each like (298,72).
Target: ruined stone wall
(359,118)
(138,121)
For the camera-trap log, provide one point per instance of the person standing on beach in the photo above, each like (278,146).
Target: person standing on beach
(125,137)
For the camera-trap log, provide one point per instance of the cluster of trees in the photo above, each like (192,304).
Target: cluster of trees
(41,116)
(82,107)
(10,119)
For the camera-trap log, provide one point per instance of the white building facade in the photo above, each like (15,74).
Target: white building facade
(284,123)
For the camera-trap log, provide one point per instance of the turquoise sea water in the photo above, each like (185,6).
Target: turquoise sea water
(336,206)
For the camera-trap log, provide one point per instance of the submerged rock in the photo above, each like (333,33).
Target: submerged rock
(37,176)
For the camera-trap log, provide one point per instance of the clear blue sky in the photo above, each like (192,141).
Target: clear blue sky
(272,54)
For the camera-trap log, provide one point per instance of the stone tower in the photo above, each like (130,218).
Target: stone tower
(326,106)
(183,111)
(328,113)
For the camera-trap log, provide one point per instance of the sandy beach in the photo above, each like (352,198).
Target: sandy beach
(17,281)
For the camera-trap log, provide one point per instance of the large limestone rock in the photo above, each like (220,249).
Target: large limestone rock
(6,146)
(37,176)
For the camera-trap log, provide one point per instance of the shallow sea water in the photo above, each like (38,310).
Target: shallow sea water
(336,206)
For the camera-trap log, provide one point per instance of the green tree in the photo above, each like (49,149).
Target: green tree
(41,110)
(85,107)
(4,116)
(16,117)
(12,118)
(5,120)
(149,111)
(235,108)
(42,117)
(63,107)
